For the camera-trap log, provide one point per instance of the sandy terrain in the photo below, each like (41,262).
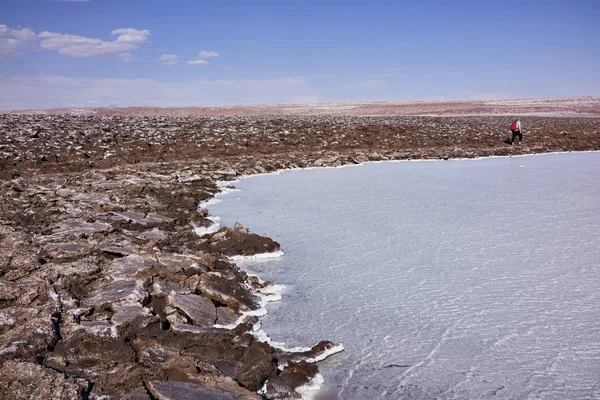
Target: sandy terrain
(107,290)
(568,106)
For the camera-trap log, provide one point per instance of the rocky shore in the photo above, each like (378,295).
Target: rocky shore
(113,285)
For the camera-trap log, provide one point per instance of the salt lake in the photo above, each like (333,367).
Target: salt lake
(459,279)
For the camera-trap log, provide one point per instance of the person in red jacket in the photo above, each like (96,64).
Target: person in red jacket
(515,127)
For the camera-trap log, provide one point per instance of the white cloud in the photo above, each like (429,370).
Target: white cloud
(202,56)
(207,54)
(169,59)
(56,91)
(82,47)
(371,84)
(198,62)
(13,41)
(24,34)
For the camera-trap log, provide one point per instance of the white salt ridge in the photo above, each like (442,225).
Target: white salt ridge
(204,230)
(258,256)
(224,184)
(77,311)
(255,313)
(262,336)
(265,295)
(270,289)
(226,190)
(214,200)
(329,352)
(209,202)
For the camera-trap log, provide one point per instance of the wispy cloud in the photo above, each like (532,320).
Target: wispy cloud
(197,62)
(128,39)
(202,56)
(207,54)
(169,59)
(13,41)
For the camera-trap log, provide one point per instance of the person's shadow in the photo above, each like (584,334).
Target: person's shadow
(507,141)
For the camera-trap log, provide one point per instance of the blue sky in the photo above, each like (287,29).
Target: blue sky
(57,53)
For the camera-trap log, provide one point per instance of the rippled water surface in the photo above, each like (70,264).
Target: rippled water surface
(463,279)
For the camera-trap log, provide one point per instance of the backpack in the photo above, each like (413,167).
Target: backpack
(513,126)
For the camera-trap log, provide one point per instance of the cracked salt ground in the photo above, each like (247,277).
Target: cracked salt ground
(448,280)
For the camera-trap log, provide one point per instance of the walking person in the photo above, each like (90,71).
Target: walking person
(515,127)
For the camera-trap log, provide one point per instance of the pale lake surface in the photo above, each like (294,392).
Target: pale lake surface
(465,279)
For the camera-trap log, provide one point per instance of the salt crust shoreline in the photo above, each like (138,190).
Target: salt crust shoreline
(271,293)
(226,183)
(266,295)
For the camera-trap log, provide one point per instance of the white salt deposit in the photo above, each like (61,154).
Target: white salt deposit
(265,295)
(6,319)
(262,336)
(207,203)
(334,350)
(273,254)
(203,230)
(452,280)
(310,389)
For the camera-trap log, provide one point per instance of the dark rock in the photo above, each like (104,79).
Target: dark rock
(109,292)
(232,243)
(167,390)
(199,310)
(224,291)
(292,376)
